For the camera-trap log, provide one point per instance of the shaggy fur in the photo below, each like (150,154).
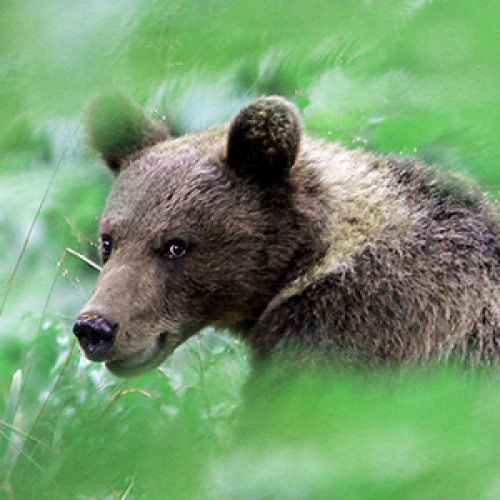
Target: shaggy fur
(289,241)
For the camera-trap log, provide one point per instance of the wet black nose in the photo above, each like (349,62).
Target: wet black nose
(95,334)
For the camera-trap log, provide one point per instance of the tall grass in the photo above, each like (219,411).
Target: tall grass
(409,77)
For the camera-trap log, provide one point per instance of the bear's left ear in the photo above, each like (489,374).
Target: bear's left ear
(116,127)
(264,140)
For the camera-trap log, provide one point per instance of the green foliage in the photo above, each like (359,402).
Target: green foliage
(421,434)
(92,434)
(407,77)
(377,434)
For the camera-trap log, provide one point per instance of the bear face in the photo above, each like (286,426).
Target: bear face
(189,232)
(288,241)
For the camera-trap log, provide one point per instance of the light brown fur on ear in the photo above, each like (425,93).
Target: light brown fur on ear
(264,140)
(117,127)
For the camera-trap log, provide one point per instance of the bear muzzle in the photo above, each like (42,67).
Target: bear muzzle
(96,335)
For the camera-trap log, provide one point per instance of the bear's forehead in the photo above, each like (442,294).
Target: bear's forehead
(156,183)
(171,189)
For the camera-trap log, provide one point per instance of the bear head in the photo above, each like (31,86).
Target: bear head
(198,230)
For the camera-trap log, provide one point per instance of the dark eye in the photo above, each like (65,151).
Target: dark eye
(175,249)
(106,247)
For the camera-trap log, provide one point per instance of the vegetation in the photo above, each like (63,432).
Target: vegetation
(410,77)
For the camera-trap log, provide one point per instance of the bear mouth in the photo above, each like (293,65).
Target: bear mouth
(143,361)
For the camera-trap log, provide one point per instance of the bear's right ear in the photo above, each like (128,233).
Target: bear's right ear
(116,127)
(264,141)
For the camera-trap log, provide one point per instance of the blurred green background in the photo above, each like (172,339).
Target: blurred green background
(409,76)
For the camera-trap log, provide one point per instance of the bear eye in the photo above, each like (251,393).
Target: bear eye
(175,249)
(106,247)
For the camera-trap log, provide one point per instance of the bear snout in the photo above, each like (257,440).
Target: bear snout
(95,334)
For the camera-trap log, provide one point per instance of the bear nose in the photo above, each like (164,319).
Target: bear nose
(95,334)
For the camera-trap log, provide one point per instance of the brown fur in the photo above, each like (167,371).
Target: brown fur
(292,243)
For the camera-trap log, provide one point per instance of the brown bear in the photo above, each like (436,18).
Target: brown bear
(294,244)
